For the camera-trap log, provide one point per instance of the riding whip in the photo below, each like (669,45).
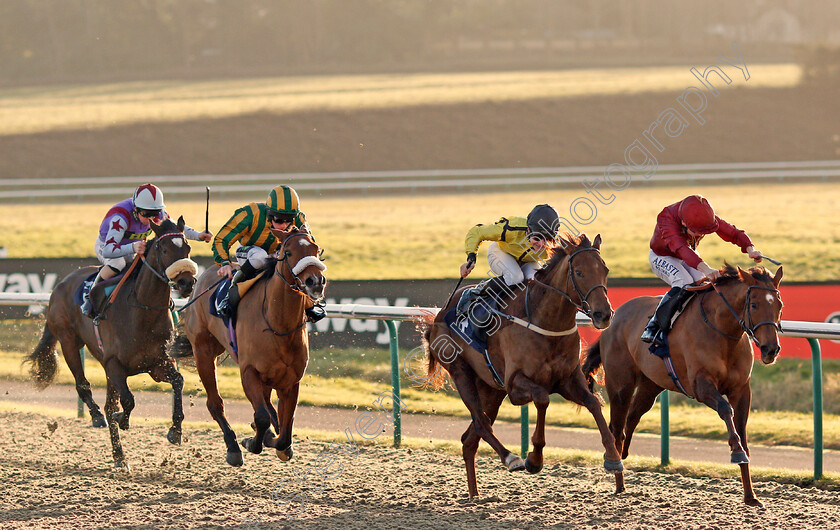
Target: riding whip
(207,211)
(771,260)
(453,292)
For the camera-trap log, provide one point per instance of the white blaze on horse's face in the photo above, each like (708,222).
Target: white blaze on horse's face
(304,243)
(178,241)
(770,298)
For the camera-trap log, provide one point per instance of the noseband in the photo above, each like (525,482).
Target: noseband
(160,276)
(582,305)
(748,327)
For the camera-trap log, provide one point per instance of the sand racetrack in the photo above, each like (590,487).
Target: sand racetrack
(56,473)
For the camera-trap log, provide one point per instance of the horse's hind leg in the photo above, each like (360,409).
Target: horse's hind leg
(286,417)
(70,349)
(625,423)
(254,391)
(465,381)
(116,446)
(117,377)
(575,389)
(523,391)
(205,362)
(491,400)
(741,404)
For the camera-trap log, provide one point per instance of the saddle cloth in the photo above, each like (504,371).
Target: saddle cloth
(99,295)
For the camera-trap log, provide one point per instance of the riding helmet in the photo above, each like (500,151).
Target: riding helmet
(283,200)
(544,220)
(148,197)
(697,215)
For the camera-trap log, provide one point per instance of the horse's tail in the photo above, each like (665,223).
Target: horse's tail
(44,360)
(178,345)
(436,375)
(591,364)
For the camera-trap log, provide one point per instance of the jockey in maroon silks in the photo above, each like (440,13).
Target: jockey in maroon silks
(123,233)
(673,256)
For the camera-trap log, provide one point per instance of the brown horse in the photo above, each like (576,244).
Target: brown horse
(712,357)
(273,345)
(133,332)
(535,361)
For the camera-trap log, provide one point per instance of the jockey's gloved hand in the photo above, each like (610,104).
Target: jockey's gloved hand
(316,312)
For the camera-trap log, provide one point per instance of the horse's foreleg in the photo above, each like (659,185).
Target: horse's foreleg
(254,391)
(707,393)
(491,400)
(117,376)
(114,431)
(286,416)
(575,389)
(523,391)
(70,349)
(741,403)
(205,362)
(174,377)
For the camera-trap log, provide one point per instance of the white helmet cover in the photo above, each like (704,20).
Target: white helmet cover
(148,197)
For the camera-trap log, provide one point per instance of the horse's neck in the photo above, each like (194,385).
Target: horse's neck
(553,309)
(280,300)
(721,316)
(150,289)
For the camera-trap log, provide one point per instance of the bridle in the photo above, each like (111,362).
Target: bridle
(158,275)
(748,327)
(297,285)
(582,304)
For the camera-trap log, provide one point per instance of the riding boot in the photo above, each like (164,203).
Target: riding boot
(316,312)
(660,322)
(227,306)
(87,304)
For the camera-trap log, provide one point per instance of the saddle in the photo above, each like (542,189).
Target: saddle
(220,293)
(99,294)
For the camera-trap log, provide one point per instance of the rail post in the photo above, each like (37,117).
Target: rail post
(525,427)
(664,429)
(395,380)
(816,369)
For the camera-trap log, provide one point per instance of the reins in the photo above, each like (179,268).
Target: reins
(295,287)
(747,326)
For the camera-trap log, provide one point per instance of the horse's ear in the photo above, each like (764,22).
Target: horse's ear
(777,279)
(746,277)
(597,242)
(155,227)
(181,224)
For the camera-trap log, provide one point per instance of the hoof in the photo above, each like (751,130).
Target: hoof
(613,466)
(514,463)
(234,458)
(740,458)
(531,468)
(174,436)
(120,419)
(286,454)
(122,465)
(98,421)
(753,502)
(249,444)
(269,440)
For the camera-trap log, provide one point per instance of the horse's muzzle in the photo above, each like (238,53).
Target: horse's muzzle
(315,286)
(184,284)
(601,319)
(769,353)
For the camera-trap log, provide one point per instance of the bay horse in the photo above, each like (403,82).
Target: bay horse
(711,354)
(272,340)
(133,333)
(535,361)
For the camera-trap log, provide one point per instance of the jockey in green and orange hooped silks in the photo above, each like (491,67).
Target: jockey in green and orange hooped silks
(123,233)
(250,227)
(673,256)
(518,250)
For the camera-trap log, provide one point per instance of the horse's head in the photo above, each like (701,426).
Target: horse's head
(300,263)
(763,309)
(586,281)
(169,255)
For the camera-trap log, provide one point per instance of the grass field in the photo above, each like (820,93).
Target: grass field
(28,110)
(422,236)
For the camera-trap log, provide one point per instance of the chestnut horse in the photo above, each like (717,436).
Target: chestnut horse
(272,340)
(711,355)
(533,361)
(133,332)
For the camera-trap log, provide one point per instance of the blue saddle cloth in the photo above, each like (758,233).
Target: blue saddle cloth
(84,288)
(466,323)
(230,323)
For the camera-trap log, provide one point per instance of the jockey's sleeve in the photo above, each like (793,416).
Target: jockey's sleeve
(115,247)
(229,234)
(671,231)
(480,233)
(189,232)
(732,234)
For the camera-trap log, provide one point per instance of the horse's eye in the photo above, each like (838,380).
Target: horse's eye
(753,305)
(579,274)
(288,253)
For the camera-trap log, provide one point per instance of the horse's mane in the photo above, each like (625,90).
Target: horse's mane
(558,254)
(729,274)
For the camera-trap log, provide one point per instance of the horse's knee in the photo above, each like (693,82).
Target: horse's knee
(262,418)
(724,409)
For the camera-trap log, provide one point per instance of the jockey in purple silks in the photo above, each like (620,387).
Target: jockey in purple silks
(123,234)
